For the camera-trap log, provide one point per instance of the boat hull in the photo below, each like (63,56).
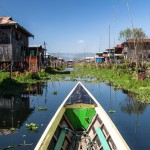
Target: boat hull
(81,126)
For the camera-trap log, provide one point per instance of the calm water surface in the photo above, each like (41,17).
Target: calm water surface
(130,117)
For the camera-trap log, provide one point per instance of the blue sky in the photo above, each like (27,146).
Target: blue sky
(77,25)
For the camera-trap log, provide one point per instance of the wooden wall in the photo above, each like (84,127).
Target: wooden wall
(12,40)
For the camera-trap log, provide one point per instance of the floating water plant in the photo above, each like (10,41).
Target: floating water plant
(112,111)
(32,127)
(12,130)
(55,93)
(9,147)
(42,109)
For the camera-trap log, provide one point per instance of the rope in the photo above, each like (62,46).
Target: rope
(90,144)
(71,131)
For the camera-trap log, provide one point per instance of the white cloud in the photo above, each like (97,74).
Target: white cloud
(80,41)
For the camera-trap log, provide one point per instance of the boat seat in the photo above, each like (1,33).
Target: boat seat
(102,139)
(60,139)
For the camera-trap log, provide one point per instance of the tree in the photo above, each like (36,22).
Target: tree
(125,35)
(134,40)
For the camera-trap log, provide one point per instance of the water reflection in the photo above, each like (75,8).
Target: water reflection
(130,105)
(130,117)
(13,111)
(36,89)
(133,107)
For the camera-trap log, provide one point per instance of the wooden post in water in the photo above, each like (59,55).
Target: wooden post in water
(37,61)
(11,65)
(11,62)
(45,60)
(109,48)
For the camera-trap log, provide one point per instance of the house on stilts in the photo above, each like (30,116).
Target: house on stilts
(14,43)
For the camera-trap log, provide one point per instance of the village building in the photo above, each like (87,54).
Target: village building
(118,49)
(34,57)
(142,48)
(90,59)
(110,55)
(99,58)
(118,55)
(69,63)
(52,61)
(14,41)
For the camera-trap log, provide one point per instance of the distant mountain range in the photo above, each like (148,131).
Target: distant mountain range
(72,56)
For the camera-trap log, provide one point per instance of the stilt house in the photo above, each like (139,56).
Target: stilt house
(13,42)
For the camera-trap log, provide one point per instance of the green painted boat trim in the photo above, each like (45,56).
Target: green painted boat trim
(80,118)
(60,139)
(102,139)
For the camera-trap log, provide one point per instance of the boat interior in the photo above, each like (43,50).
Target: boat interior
(80,127)
(80,123)
(81,133)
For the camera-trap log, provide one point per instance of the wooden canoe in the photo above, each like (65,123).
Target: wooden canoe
(81,123)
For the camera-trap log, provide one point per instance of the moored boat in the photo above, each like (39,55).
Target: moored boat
(81,123)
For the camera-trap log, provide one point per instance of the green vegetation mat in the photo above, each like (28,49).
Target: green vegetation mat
(120,76)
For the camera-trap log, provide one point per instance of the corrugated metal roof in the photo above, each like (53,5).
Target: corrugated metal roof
(35,46)
(119,46)
(7,20)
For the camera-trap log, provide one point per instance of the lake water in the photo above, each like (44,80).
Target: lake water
(131,117)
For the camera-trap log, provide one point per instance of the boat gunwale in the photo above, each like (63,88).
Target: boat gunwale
(117,138)
(39,144)
(110,126)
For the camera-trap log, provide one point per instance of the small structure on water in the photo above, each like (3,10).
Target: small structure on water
(69,63)
(35,57)
(99,58)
